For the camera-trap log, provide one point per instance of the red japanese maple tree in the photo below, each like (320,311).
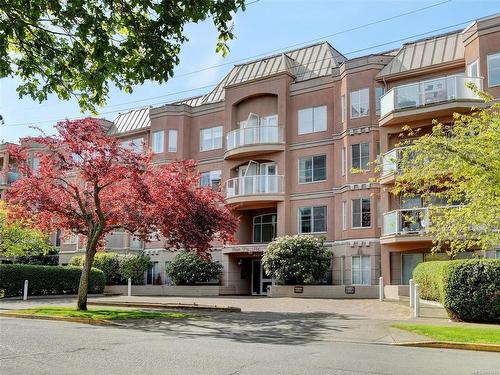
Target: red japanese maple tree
(87,184)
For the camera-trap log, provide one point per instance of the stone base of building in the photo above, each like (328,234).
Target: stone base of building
(324,291)
(166,290)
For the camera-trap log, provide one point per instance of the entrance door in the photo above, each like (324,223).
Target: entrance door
(409,262)
(248,182)
(260,280)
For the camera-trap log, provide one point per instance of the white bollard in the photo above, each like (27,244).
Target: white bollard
(412,292)
(25,291)
(416,302)
(380,288)
(129,289)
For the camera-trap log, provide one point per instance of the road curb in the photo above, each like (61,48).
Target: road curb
(59,318)
(184,306)
(452,345)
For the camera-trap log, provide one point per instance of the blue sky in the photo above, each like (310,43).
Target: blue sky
(266,25)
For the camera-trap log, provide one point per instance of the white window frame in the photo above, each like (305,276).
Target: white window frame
(361,213)
(212,174)
(363,167)
(72,239)
(343,160)
(173,137)
(312,220)
(495,55)
(361,270)
(344,215)
(212,130)
(315,126)
(312,169)
(135,144)
(356,94)
(378,99)
(343,108)
(274,214)
(469,68)
(156,143)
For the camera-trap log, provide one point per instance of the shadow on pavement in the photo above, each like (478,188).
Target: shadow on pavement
(251,327)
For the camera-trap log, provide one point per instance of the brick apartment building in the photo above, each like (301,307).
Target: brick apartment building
(286,136)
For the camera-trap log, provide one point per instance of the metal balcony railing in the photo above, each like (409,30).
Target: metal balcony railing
(253,185)
(254,136)
(428,92)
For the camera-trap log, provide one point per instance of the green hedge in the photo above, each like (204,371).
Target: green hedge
(118,267)
(468,289)
(189,268)
(46,280)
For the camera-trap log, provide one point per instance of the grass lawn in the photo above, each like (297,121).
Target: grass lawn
(480,335)
(100,313)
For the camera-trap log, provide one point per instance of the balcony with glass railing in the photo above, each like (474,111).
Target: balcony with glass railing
(390,166)
(8,178)
(255,188)
(426,96)
(123,241)
(248,141)
(407,224)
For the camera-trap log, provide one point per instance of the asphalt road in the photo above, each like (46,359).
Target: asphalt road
(50,347)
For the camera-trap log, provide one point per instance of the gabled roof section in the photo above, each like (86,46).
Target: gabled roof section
(130,121)
(425,53)
(303,63)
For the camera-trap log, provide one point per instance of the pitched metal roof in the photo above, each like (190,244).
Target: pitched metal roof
(303,63)
(425,53)
(132,120)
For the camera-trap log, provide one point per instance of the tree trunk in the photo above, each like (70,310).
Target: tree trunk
(83,287)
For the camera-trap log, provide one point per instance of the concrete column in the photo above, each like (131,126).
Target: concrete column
(385,264)
(280,225)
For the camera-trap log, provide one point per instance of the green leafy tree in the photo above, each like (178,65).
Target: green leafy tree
(17,239)
(76,48)
(299,259)
(188,268)
(456,169)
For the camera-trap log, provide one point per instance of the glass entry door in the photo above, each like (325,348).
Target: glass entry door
(409,262)
(268,184)
(260,280)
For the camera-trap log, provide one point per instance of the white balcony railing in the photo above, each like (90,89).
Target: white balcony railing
(254,136)
(251,185)
(408,220)
(391,160)
(8,178)
(123,241)
(428,92)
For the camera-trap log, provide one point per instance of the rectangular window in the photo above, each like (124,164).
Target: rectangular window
(312,120)
(158,141)
(379,91)
(493,63)
(361,270)
(343,161)
(344,215)
(360,103)
(312,219)
(312,169)
(172,140)
(473,69)
(35,165)
(135,144)
(211,138)
(361,213)
(379,214)
(342,108)
(70,239)
(360,156)
(212,178)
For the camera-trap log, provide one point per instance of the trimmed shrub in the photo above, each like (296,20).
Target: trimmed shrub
(299,259)
(46,280)
(118,267)
(468,289)
(188,268)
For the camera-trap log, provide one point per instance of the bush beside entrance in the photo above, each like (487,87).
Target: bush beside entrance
(46,280)
(468,289)
(300,259)
(188,268)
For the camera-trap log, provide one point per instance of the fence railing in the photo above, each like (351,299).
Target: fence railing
(256,184)
(428,92)
(254,136)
